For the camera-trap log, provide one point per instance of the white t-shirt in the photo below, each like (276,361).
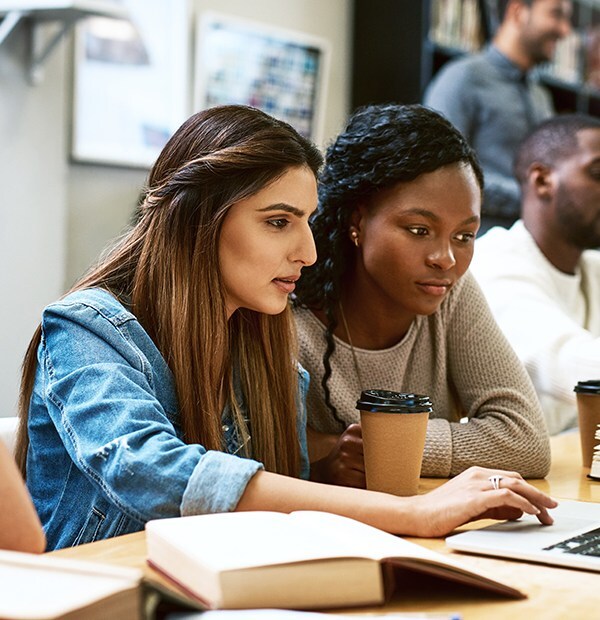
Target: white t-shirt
(552,319)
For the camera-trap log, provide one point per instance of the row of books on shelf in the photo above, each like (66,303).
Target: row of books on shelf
(457,24)
(577,59)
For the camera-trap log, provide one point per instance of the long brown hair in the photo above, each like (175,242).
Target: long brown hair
(165,268)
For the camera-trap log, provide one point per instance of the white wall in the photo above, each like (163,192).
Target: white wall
(56,216)
(33,208)
(101,199)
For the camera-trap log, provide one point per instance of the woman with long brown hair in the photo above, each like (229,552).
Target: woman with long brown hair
(166,381)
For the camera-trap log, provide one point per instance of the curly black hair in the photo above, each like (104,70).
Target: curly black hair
(382,145)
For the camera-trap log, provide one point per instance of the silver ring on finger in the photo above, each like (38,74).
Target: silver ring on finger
(495,480)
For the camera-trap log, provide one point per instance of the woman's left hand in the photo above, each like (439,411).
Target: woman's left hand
(344,465)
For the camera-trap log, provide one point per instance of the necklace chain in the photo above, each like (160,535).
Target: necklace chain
(356,366)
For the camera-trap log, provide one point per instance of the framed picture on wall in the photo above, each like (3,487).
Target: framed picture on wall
(280,71)
(130,87)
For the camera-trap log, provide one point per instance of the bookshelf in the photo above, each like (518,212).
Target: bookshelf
(399,45)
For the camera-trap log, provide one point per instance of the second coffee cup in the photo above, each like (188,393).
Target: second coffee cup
(394,426)
(588,408)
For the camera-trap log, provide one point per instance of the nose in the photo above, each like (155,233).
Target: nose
(306,251)
(564,23)
(565,27)
(441,257)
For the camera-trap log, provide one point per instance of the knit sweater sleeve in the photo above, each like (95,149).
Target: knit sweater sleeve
(506,427)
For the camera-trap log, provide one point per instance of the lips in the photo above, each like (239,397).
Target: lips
(436,288)
(288,284)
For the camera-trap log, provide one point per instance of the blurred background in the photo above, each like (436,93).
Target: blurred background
(57,213)
(90,91)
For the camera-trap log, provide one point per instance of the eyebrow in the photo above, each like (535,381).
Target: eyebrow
(436,218)
(282,206)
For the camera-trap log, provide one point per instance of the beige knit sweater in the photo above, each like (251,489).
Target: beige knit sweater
(459,350)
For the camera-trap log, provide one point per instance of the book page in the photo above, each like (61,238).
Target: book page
(355,539)
(230,541)
(281,614)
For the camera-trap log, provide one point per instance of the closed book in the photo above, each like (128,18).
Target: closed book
(44,587)
(302,560)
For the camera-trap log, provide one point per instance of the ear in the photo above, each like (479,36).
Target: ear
(517,12)
(541,181)
(357,217)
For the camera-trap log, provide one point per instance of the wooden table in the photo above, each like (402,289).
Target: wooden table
(554,593)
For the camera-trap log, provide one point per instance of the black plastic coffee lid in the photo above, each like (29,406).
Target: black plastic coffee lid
(393,402)
(588,387)
(386,396)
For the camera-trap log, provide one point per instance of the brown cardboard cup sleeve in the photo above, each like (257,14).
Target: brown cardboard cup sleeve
(588,408)
(393,440)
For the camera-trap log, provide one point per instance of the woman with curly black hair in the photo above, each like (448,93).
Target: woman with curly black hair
(390,303)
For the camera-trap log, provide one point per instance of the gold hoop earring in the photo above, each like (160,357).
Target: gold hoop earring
(354,237)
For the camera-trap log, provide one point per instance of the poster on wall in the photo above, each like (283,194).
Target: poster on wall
(130,87)
(282,72)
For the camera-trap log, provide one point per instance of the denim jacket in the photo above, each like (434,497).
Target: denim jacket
(105,452)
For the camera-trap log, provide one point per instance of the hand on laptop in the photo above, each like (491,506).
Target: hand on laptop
(473,495)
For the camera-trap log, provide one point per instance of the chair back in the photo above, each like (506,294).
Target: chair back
(8,432)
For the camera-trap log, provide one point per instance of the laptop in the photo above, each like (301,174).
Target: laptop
(572,541)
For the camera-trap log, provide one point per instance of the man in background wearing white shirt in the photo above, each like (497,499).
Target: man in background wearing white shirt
(542,277)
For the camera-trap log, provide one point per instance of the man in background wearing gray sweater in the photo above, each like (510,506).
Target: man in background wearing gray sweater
(494,101)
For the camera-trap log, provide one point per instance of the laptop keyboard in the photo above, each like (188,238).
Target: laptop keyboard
(587,543)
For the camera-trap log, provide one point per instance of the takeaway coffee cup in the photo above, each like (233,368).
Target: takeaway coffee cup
(394,426)
(588,407)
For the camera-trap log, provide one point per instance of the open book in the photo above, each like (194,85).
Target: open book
(43,587)
(302,560)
